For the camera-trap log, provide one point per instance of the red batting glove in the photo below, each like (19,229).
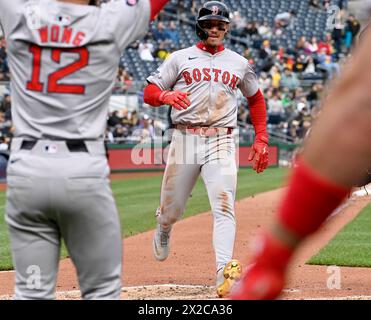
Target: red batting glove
(259,153)
(177,99)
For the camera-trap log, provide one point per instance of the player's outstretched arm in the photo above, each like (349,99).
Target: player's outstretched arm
(258,115)
(156,97)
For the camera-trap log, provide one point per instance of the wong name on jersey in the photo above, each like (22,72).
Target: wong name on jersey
(61,34)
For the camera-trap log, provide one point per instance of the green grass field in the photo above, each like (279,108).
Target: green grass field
(137,200)
(351,247)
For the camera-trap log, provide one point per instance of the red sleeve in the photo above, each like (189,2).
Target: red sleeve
(315,195)
(151,95)
(156,6)
(258,113)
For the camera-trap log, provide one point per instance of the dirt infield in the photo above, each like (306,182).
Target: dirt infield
(189,273)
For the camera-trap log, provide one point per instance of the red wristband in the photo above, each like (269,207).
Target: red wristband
(152,95)
(309,200)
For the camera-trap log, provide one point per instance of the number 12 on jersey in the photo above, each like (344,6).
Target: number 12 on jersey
(54,85)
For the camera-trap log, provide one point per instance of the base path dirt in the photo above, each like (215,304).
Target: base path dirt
(189,272)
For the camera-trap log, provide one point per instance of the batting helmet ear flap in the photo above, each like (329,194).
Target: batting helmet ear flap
(201,33)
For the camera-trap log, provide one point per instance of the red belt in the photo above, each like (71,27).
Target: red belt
(204,131)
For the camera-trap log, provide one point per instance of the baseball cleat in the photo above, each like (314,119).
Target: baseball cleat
(160,242)
(264,279)
(231,273)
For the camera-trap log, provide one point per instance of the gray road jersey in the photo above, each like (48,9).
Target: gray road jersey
(212,80)
(72,54)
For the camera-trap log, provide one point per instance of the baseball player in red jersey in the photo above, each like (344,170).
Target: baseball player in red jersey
(201,84)
(63,57)
(335,157)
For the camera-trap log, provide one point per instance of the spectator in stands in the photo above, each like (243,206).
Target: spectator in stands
(123,82)
(120,133)
(5,125)
(248,55)
(276,77)
(108,136)
(337,34)
(265,31)
(275,109)
(2,49)
(315,4)
(287,99)
(293,129)
(265,81)
(239,25)
(352,28)
(304,120)
(8,112)
(161,52)
(118,81)
(4,146)
(265,56)
(301,44)
(134,119)
(289,80)
(159,32)
(114,119)
(145,132)
(327,63)
(326,45)
(289,62)
(4,69)
(125,118)
(299,93)
(194,8)
(172,33)
(6,105)
(326,4)
(311,47)
(243,114)
(310,66)
(251,29)
(300,64)
(285,19)
(265,51)
(145,51)
(315,94)
(127,80)
(277,31)
(302,104)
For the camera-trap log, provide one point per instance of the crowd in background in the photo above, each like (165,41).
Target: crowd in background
(291,107)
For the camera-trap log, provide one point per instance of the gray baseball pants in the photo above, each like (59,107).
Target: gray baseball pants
(214,158)
(55,193)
